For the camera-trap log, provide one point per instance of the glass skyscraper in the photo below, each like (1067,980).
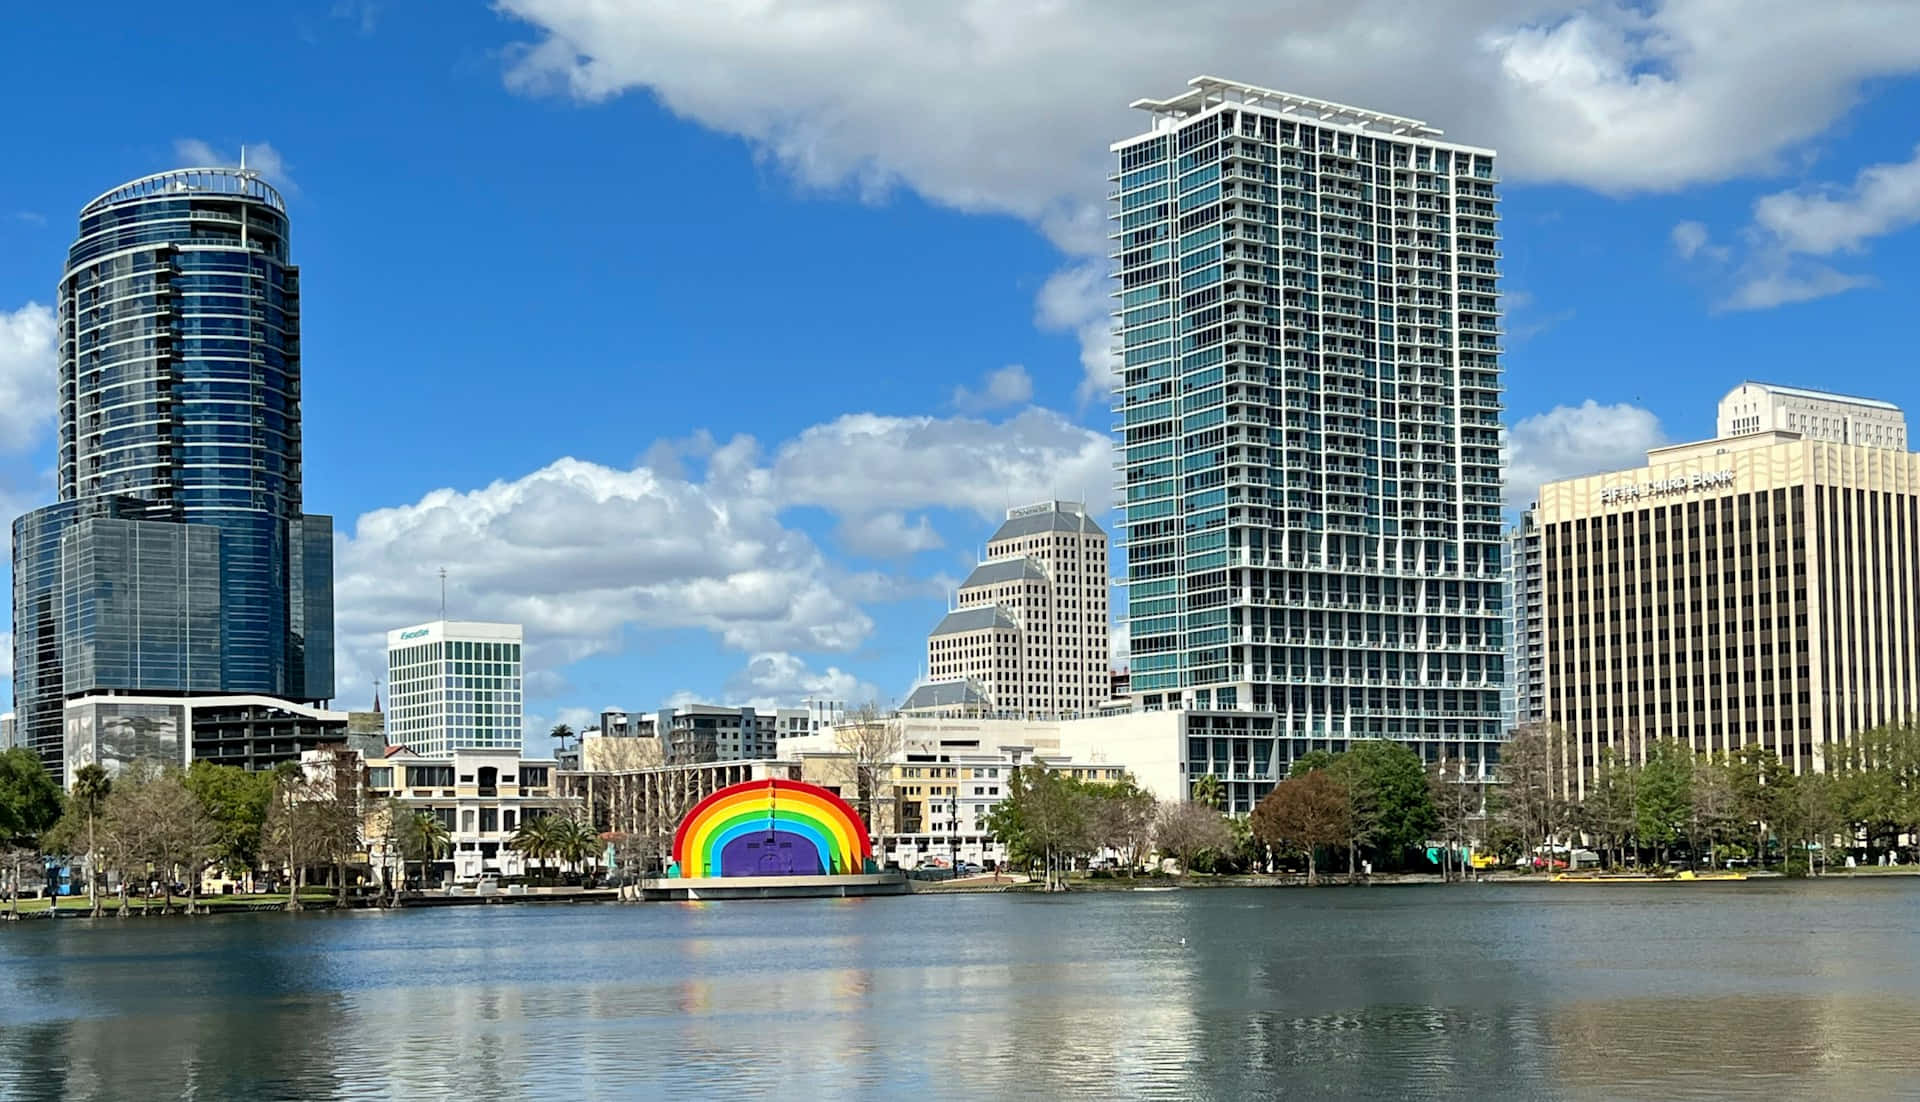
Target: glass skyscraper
(1309,419)
(179,316)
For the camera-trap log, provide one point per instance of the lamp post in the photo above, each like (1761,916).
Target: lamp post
(953,828)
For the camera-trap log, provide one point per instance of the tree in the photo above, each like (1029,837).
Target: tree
(91,785)
(1121,818)
(423,839)
(30,805)
(1607,812)
(1663,811)
(532,840)
(1713,806)
(869,745)
(1186,830)
(1043,820)
(1758,775)
(1458,802)
(573,841)
(1810,813)
(1208,790)
(237,800)
(1392,800)
(1530,798)
(1305,812)
(315,818)
(155,823)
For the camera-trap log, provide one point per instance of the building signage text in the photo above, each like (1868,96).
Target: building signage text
(1661,487)
(415,634)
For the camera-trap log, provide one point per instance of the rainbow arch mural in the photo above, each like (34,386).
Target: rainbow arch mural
(771,828)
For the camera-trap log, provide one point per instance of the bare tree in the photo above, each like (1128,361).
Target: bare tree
(1186,830)
(1533,784)
(1459,803)
(870,744)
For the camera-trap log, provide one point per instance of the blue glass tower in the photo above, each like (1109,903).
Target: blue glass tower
(179,316)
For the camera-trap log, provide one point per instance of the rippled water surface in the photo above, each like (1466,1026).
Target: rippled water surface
(1758,990)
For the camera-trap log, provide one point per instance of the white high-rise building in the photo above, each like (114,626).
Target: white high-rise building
(454,685)
(1308,408)
(1028,635)
(1815,414)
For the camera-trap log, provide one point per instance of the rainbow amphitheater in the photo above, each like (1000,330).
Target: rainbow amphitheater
(772,838)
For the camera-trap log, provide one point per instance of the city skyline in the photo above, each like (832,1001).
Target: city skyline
(842,525)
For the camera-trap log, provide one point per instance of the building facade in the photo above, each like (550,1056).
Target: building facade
(1308,414)
(480,795)
(1523,698)
(1029,627)
(180,392)
(1812,414)
(455,685)
(249,731)
(1759,589)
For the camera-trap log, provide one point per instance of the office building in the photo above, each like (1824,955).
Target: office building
(254,732)
(454,685)
(179,464)
(1756,589)
(480,795)
(1028,633)
(1308,414)
(6,732)
(1523,698)
(1813,414)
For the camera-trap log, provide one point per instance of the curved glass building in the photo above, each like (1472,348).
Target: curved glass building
(179,315)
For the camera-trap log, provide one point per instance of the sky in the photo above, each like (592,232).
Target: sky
(711,341)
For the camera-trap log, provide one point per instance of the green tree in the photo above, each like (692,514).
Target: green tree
(30,805)
(1607,812)
(91,786)
(1042,821)
(1663,807)
(1392,800)
(1713,807)
(1810,815)
(1120,818)
(236,800)
(1208,790)
(532,840)
(1758,776)
(1530,802)
(423,839)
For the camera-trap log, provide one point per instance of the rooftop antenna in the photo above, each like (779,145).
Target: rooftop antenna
(243,157)
(443,593)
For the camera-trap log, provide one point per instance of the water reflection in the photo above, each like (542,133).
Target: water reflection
(1762,991)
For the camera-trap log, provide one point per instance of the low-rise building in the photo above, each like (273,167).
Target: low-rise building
(480,795)
(249,731)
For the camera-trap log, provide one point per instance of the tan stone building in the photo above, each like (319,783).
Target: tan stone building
(1761,589)
(1028,632)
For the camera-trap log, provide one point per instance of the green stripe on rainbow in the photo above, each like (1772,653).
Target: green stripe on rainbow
(771,827)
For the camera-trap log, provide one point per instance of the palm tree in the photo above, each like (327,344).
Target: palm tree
(1207,790)
(530,839)
(424,839)
(91,786)
(573,841)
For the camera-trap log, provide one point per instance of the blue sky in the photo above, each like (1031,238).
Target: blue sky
(707,340)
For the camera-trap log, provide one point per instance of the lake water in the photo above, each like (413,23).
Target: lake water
(1761,990)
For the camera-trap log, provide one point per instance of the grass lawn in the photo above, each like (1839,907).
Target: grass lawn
(111,903)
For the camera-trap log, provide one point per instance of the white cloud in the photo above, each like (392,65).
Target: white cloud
(777,679)
(1689,238)
(28,387)
(1008,107)
(1569,441)
(262,157)
(1785,249)
(1824,221)
(582,553)
(1007,386)
(888,535)
(865,462)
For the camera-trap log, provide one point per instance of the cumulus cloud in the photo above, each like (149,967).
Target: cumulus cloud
(27,384)
(1005,107)
(1786,250)
(1007,386)
(262,157)
(777,679)
(1569,441)
(582,553)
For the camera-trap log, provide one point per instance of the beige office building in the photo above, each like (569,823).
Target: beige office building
(1758,588)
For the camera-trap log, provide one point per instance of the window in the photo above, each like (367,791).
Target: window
(533,776)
